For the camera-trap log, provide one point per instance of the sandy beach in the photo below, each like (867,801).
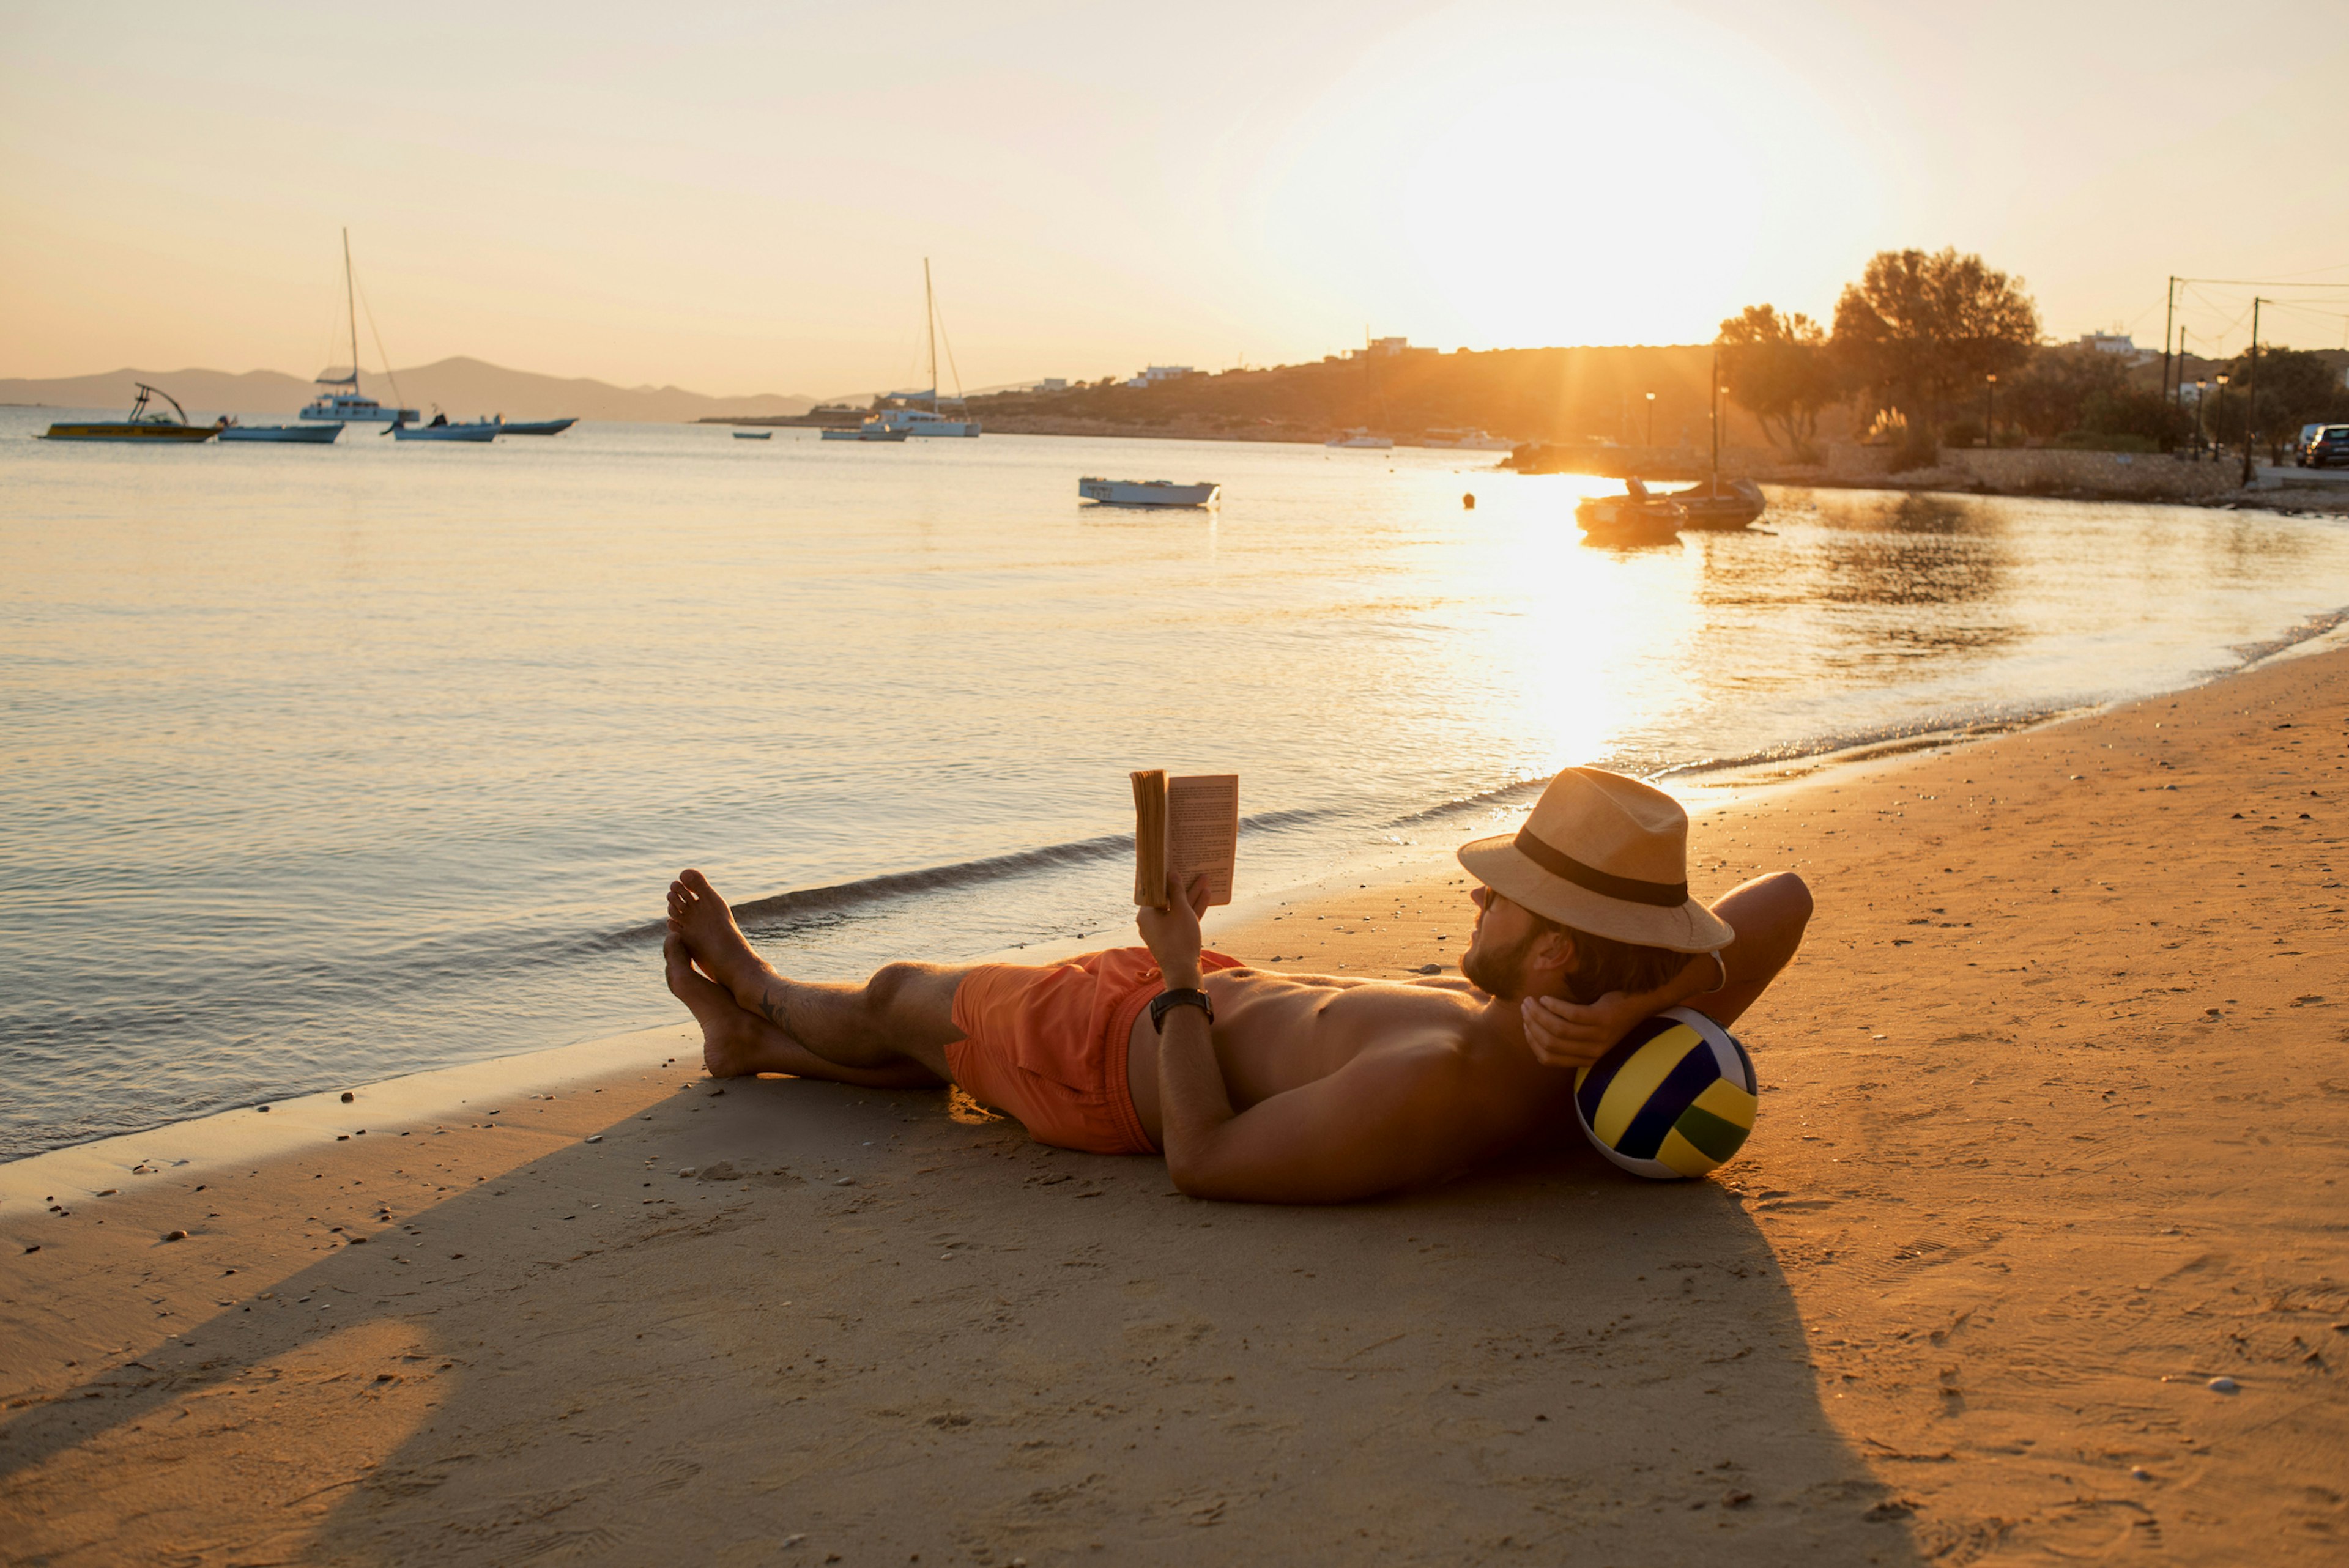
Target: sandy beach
(2055,1108)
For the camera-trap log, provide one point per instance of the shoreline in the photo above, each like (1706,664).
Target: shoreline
(2002,1219)
(222,1138)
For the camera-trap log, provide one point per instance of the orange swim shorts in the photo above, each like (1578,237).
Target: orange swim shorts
(1046,1044)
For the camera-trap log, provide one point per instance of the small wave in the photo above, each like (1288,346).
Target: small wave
(1938,729)
(801,905)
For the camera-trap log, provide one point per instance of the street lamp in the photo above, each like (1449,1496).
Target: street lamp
(1989,394)
(1651,418)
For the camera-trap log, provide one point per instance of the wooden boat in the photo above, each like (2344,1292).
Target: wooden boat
(1147,492)
(303,435)
(139,425)
(1634,517)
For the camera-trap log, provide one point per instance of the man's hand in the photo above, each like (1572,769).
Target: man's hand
(1173,934)
(1562,1034)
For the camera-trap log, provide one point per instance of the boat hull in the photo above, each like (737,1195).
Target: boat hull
(119,430)
(1621,521)
(301,435)
(1147,492)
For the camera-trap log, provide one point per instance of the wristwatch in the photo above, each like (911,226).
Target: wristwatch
(1165,1000)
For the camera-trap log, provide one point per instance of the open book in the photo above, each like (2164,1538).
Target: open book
(1188,826)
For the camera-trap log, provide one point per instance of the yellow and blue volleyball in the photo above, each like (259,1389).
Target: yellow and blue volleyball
(1675,1099)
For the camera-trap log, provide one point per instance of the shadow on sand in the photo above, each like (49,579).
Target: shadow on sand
(978,1350)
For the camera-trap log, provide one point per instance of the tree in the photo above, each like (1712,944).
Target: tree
(2047,396)
(1777,369)
(2295,388)
(1924,331)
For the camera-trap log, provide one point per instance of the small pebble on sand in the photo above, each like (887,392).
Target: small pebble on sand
(2222,1385)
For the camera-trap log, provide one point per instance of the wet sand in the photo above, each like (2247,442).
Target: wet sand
(2055,1111)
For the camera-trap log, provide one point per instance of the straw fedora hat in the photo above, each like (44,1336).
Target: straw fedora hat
(1605,854)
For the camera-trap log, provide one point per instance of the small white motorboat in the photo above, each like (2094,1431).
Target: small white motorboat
(754,434)
(870,431)
(441,429)
(1467,439)
(1148,493)
(307,435)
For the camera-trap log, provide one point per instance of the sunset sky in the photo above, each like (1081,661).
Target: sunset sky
(738,199)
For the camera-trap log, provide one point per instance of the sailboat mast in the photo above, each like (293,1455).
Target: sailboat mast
(930,322)
(351,303)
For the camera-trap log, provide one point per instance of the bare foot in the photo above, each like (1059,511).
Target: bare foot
(731,1037)
(698,914)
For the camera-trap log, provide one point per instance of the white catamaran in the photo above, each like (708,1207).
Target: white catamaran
(352,406)
(919,421)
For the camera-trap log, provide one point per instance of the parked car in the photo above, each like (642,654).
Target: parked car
(2329,449)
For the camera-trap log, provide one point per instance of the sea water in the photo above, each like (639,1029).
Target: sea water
(326,764)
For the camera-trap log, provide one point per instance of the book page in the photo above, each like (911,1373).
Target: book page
(1202,831)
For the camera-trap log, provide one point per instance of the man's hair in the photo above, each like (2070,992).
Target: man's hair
(1601,963)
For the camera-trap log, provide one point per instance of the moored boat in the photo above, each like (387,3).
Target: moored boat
(352,406)
(1148,493)
(870,431)
(1634,517)
(441,429)
(139,425)
(300,435)
(1721,505)
(1466,440)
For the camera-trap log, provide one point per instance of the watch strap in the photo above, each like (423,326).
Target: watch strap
(1165,1000)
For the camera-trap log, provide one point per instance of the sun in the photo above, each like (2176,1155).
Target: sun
(1499,175)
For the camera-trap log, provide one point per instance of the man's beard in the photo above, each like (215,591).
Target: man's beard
(1496,973)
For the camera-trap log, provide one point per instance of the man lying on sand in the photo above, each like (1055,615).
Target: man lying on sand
(1287,1089)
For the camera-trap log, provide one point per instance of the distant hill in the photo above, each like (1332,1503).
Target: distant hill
(461,386)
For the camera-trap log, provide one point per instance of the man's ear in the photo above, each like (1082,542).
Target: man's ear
(1552,951)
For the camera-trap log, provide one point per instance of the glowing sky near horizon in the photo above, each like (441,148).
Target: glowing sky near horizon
(738,199)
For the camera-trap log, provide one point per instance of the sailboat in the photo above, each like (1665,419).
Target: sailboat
(352,406)
(927,421)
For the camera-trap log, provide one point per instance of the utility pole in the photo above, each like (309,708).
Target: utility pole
(2168,323)
(2251,396)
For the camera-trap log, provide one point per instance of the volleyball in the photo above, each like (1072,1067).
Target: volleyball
(1675,1099)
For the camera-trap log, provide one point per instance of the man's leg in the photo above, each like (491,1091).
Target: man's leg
(902,1017)
(736,1044)
(1768,914)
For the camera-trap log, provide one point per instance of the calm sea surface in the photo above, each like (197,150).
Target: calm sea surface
(330,764)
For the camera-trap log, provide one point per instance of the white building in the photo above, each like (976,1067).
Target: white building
(2119,343)
(1157,373)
